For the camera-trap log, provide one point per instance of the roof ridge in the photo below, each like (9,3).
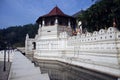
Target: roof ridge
(56,11)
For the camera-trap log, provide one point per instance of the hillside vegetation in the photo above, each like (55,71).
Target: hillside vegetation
(15,35)
(101,15)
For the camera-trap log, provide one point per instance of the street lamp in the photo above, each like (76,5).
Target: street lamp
(9,52)
(4,67)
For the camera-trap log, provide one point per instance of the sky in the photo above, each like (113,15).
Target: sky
(21,12)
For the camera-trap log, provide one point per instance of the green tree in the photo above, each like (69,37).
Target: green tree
(101,15)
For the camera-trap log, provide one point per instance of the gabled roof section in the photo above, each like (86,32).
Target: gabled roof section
(55,11)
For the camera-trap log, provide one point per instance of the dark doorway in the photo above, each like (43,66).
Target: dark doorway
(34,45)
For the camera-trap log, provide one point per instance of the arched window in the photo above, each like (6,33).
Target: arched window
(110,36)
(118,36)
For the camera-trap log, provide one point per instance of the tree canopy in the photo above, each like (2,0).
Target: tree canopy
(15,35)
(102,14)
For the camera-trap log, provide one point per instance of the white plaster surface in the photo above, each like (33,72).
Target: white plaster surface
(23,69)
(99,51)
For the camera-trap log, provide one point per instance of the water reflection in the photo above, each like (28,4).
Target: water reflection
(62,71)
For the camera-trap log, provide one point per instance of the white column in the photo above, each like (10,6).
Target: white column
(39,30)
(39,25)
(27,36)
(69,24)
(81,29)
(80,26)
(43,22)
(56,21)
(26,44)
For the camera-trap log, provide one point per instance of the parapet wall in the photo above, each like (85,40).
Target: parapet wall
(101,35)
(98,41)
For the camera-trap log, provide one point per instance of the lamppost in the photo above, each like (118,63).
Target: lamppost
(4,67)
(9,52)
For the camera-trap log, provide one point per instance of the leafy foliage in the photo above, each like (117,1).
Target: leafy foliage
(15,35)
(101,15)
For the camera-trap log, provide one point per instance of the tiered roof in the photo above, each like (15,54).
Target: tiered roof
(54,12)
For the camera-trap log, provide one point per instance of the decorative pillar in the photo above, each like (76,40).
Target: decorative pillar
(69,24)
(56,21)
(43,22)
(40,26)
(80,26)
(27,36)
(39,30)
(26,43)
(81,29)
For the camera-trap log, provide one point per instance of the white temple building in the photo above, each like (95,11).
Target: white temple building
(58,39)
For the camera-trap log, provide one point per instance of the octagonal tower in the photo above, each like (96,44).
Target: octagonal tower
(54,23)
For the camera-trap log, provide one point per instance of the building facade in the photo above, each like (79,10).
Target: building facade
(58,39)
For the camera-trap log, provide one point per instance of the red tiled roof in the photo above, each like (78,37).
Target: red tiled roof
(55,11)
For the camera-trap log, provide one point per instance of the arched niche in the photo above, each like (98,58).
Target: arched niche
(95,33)
(101,31)
(111,30)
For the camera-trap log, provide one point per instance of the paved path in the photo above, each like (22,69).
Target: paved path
(23,69)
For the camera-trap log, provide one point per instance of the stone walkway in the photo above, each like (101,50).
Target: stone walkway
(23,69)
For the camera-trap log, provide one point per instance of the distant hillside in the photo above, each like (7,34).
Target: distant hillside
(100,15)
(78,13)
(15,35)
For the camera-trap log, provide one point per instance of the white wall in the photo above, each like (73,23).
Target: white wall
(98,50)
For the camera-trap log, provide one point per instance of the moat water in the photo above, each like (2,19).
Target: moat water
(63,71)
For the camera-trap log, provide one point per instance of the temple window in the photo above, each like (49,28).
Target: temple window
(52,22)
(110,29)
(110,36)
(118,36)
(34,45)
